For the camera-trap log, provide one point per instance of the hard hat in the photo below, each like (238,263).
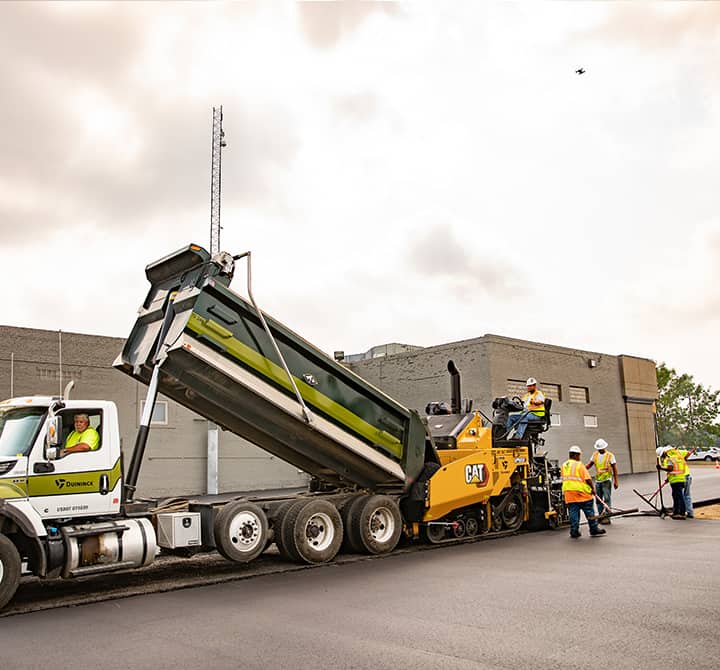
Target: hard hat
(659,451)
(600,444)
(575,450)
(531,381)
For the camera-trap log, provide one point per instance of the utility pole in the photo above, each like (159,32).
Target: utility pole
(218,142)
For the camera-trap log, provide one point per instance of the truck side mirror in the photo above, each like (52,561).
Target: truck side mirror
(54,431)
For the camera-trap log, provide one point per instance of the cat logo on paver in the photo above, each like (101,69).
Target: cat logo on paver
(477,474)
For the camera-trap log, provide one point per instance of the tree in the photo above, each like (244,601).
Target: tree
(687,413)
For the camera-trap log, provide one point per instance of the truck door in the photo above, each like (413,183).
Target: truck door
(77,484)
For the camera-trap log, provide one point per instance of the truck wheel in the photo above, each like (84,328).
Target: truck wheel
(312,531)
(241,531)
(344,509)
(375,524)
(10,567)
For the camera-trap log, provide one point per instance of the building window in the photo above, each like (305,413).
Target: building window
(160,413)
(555,420)
(517,387)
(590,421)
(579,394)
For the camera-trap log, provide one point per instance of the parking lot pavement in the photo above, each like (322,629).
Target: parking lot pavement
(646,595)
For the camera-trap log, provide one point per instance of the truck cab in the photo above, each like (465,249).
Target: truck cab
(57,485)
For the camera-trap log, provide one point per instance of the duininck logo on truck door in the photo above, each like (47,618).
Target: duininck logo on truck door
(61,483)
(477,474)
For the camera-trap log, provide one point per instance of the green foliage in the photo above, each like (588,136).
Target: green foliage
(687,413)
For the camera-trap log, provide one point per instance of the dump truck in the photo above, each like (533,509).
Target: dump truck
(380,472)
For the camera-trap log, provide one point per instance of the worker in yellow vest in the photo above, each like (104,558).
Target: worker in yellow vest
(684,453)
(606,475)
(578,492)
(533,410)
(674,464)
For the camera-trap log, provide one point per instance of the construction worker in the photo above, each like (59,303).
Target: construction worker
(684,453)
(578,492)
(674,465)
(534,409)
(606,475)
(83,438)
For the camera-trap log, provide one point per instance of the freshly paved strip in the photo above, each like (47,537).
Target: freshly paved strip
(533,601)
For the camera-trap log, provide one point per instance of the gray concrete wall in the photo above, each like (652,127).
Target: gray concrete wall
(518,359)
(486,365)
(176,456)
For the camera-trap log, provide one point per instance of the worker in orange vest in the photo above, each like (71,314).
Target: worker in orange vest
(578,492)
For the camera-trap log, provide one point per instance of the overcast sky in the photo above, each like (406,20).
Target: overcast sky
(420,173)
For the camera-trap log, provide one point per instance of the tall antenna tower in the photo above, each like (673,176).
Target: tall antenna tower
(218,142)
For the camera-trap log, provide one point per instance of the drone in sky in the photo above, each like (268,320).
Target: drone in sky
(580,71)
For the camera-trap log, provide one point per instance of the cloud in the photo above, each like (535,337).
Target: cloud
(659,26)
(462,264)
(87,141)
(325,24)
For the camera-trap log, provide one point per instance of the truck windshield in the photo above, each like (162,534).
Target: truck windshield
(18,428)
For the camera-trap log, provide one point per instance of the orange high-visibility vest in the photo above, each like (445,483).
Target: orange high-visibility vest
(571,478)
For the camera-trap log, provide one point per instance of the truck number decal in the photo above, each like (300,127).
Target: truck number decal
(476,474)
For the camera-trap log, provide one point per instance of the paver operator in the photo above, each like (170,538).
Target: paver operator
(534,404)
(83,438)
(606,475)
(578,492)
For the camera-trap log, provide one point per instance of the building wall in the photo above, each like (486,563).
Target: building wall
(639,388)
(176,458)
(487,363)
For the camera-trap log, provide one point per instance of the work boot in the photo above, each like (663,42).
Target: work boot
(678,516)
(598,531)
(574,534)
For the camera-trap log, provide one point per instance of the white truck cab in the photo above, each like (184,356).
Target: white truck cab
(84,484)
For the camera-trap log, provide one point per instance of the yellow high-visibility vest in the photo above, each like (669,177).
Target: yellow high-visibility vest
(677,474)
(528,397)
(603,465)
(571,478)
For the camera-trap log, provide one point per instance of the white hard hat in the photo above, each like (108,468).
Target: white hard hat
(531,381)
(575,450)
(600,444)
(659,451)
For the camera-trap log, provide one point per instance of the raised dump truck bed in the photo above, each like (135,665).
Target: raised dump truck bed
(218,360)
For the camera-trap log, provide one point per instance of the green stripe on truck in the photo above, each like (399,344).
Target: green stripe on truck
(213,331)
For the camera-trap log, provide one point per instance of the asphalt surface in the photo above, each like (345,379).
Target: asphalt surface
(646,595)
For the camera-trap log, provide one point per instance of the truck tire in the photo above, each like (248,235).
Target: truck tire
(312,531)
(278,519)
(241,531)
(10,567)
(344,509)
(375,524)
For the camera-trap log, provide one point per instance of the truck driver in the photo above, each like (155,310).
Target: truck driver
(83,438)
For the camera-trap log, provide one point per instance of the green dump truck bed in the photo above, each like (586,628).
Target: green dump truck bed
(218,360)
